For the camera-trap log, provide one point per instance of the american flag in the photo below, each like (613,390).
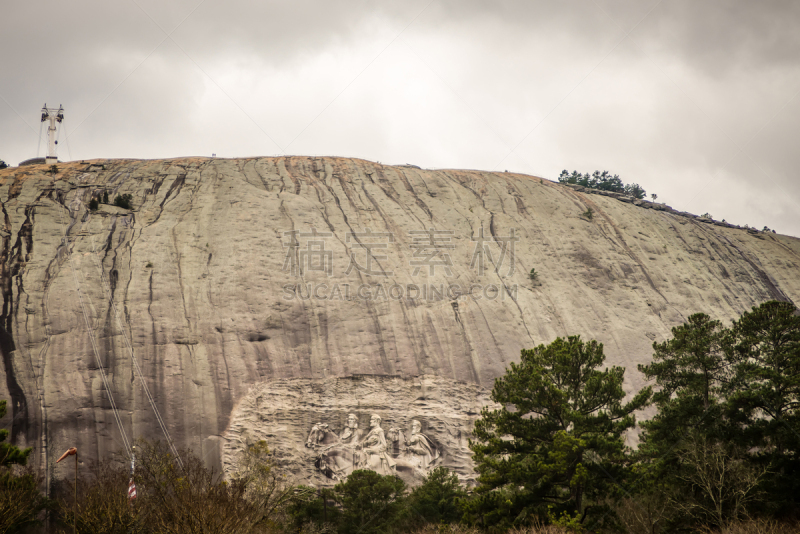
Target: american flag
(131,491)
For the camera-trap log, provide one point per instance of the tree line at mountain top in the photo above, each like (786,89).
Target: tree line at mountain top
(602,181)
(718,454)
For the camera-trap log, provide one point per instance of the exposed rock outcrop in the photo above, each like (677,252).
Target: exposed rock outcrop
(229,274)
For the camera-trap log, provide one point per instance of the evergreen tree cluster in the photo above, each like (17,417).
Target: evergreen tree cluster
(727,430)
(722,446)
(10,454)
(21,503)
(603,181)
(374,504)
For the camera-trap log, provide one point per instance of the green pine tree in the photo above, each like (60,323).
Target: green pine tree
(556,445)
(20,499)
(438,499)
(764,395)
(690,370)
(371,503)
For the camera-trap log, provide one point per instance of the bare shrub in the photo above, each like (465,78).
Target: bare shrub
(461,529)
(645,513)
(187,499)
(720,482)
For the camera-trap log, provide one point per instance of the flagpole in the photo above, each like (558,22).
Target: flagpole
(75,517)
(72,451)
(132,484)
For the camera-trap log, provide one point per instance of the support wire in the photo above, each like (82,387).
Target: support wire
(89,331)
(138,369)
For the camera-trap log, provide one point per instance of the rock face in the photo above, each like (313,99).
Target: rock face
(230,276)
(319,428)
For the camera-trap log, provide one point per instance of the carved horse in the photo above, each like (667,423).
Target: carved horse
(320,435)
(335,462)
(396,445)
(407,462)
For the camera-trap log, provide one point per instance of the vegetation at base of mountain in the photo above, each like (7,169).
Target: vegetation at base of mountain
(371,503)
(181,499)
(3,164)
(438,500)
(728,405)
(21,503)
(10,454)
(602,181)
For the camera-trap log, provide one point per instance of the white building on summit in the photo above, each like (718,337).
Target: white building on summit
(54,116)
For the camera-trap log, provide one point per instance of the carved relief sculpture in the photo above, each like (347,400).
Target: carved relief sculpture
(338,456)
(374,450)
(351,434)
(420,451)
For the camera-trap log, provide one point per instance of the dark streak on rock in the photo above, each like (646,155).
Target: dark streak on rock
(769,282)
(176,186)
(411,190)
(8,266)
(468,351)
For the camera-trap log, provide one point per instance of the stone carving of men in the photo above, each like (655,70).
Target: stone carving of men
(420,450)
(351,434)
(373,447)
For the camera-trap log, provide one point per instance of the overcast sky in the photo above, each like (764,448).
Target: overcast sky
(696,101)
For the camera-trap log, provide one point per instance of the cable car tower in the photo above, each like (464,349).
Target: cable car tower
(54,116)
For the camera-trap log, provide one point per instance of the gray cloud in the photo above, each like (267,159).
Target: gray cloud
(698,103)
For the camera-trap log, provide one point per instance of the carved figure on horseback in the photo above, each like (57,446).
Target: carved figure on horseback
(339,455)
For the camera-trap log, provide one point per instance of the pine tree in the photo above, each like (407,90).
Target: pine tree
(371,503)
(690,370)
(557,440)
(20,500)
(764,395)
(438,499)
